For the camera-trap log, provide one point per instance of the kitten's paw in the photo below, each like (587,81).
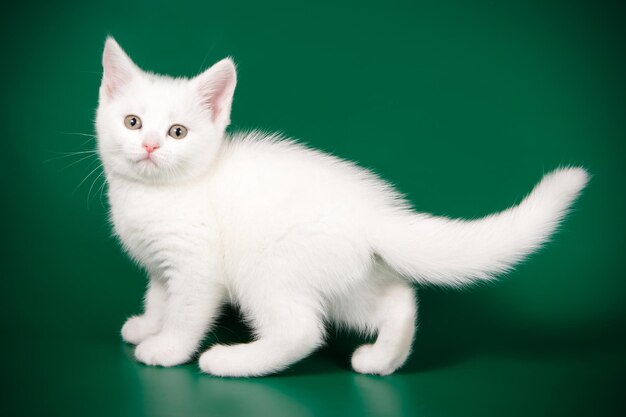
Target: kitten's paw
(163,350)
(216,361)
(139,328)
(367,359)
(223,360)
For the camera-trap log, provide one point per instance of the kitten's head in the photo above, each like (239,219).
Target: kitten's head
(157,129)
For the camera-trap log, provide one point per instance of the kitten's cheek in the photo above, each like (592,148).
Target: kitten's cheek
(163,350)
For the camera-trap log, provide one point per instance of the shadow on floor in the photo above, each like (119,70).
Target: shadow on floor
(453,327)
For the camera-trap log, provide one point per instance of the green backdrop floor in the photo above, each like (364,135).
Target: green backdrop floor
(77,377)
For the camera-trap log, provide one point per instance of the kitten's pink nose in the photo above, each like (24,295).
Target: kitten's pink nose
(149,147)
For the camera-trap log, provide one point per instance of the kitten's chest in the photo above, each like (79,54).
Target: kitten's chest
(156,225)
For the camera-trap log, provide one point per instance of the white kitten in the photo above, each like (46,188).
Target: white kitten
(292,236)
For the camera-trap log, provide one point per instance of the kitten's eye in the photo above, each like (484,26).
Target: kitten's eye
(132,122)
(178,131)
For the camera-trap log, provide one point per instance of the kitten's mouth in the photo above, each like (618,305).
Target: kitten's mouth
(147,160)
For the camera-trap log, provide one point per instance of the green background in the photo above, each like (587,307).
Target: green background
(463,105)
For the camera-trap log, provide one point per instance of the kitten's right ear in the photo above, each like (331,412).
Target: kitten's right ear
(216,87)
(118,69)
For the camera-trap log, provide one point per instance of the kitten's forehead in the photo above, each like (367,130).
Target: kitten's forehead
(162,88)
(160,94)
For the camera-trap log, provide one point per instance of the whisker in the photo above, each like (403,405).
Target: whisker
(68,154)
(75,162)
(85,142)
(76,152)
(91,135)
(91,163)
(85,179)
(101,191)
(91,188)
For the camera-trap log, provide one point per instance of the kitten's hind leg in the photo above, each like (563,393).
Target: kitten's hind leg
(288,329)
(393,315)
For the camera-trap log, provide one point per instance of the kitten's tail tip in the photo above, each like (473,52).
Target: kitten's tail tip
(568,181)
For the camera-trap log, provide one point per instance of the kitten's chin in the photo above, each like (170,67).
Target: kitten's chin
(147,167)
(147,163)
(149,171)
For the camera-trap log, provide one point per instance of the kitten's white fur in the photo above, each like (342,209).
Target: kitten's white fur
(292,236)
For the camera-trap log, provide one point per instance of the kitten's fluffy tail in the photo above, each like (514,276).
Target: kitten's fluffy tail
(444,251)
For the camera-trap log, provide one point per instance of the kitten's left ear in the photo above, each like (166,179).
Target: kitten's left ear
(118,68)
(216,87)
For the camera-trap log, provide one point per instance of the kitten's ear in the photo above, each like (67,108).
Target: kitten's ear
(216,87)
(118,68)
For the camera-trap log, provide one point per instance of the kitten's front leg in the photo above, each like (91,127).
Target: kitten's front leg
(192,303)
(139,328)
